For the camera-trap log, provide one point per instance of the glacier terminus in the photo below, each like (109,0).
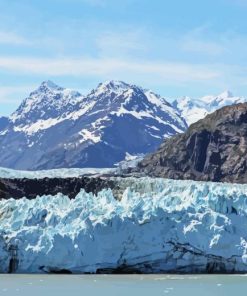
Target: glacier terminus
(153,225)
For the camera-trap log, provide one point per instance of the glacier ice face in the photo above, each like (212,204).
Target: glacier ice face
(55,173)
(158,226)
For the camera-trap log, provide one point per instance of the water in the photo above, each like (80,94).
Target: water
(122,285)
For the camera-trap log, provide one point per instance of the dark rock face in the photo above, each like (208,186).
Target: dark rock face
(31,188)
(4,121)
(212,149)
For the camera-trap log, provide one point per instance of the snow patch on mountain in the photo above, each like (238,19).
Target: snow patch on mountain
(158,226)
(194,109)
(87,135)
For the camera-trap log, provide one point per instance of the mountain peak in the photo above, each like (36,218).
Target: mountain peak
(47,101)
(48,84)
(226,94)
(115,84)
(110,86)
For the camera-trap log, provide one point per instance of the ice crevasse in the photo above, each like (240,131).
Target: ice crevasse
(158,226)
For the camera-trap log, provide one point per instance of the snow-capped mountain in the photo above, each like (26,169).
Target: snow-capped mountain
(56,127)
(194,109)
(47,102)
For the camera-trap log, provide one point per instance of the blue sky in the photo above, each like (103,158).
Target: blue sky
(174,47)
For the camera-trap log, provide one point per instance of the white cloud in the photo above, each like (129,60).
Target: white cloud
(112,68)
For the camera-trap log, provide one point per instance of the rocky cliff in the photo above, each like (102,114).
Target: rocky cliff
(214,148)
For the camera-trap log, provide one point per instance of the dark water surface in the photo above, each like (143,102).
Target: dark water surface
(127,285)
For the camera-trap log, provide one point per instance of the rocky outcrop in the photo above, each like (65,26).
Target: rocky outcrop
(212,149)
(4,121)
(31,188)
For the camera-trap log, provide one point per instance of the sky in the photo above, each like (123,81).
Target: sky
(176,48)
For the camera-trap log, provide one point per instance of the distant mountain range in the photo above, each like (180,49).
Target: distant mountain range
(192,110)
(212,149)
(56,127)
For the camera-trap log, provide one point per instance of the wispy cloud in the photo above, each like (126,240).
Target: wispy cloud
(106,67)
(84,43)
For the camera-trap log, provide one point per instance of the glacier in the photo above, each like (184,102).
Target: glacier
(158,225)
(55,173)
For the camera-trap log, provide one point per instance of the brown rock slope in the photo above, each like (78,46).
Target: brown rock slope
(212,149)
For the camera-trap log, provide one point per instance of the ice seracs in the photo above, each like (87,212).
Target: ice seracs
(158,226)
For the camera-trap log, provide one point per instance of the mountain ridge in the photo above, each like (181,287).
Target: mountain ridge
(193,110)
(55,127)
